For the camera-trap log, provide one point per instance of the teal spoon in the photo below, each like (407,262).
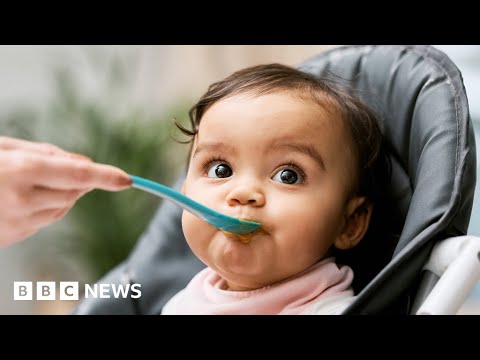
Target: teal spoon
(220,221)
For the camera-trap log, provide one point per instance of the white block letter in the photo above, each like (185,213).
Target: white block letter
(45,290)
(22,290)
(68,290)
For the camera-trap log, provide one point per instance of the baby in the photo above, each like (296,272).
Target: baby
(297,154)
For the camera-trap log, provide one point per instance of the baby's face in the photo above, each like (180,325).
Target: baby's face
(279,161)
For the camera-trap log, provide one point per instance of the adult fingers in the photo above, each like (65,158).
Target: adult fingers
(40,198)
(8,143)
(69,174)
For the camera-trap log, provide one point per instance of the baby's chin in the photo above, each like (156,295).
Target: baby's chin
(232,256)
(240,281)
(246,278)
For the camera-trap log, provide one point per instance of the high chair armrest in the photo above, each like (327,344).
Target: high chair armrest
(456,261)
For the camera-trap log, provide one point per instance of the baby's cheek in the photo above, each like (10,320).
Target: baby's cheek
(198,191)
(300,223)
(190,224)
(289,218)
(197,232)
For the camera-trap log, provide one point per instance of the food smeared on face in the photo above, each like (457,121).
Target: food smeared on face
(245,238)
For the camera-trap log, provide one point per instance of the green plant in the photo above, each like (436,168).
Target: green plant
(103,226)
(107,225)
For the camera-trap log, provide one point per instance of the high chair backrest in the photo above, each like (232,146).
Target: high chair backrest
(420,95)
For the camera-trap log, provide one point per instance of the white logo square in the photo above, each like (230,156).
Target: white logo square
(68,290)
(45,290)
(22,290)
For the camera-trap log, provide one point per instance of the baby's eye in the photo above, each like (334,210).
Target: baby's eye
(219,171)
(288,176)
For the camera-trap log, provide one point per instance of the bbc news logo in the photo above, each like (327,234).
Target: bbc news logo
(69,290)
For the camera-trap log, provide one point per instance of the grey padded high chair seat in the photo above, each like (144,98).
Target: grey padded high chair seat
(420,95)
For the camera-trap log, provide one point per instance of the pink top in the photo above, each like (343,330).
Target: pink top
(204,294)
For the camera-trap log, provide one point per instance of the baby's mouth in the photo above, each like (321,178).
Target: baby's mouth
(246,238)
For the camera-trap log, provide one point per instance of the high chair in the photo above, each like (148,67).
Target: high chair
(419,93)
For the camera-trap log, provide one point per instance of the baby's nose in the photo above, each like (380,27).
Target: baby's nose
(244,195)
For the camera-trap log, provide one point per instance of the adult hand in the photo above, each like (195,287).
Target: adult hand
(39,184)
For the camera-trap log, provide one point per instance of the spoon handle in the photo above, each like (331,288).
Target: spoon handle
(221,221)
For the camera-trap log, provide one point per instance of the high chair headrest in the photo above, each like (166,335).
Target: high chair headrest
(419,93)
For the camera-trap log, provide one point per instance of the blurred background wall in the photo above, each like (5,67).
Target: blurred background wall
(115,104)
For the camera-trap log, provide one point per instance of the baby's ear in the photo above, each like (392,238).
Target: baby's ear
(357,218)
